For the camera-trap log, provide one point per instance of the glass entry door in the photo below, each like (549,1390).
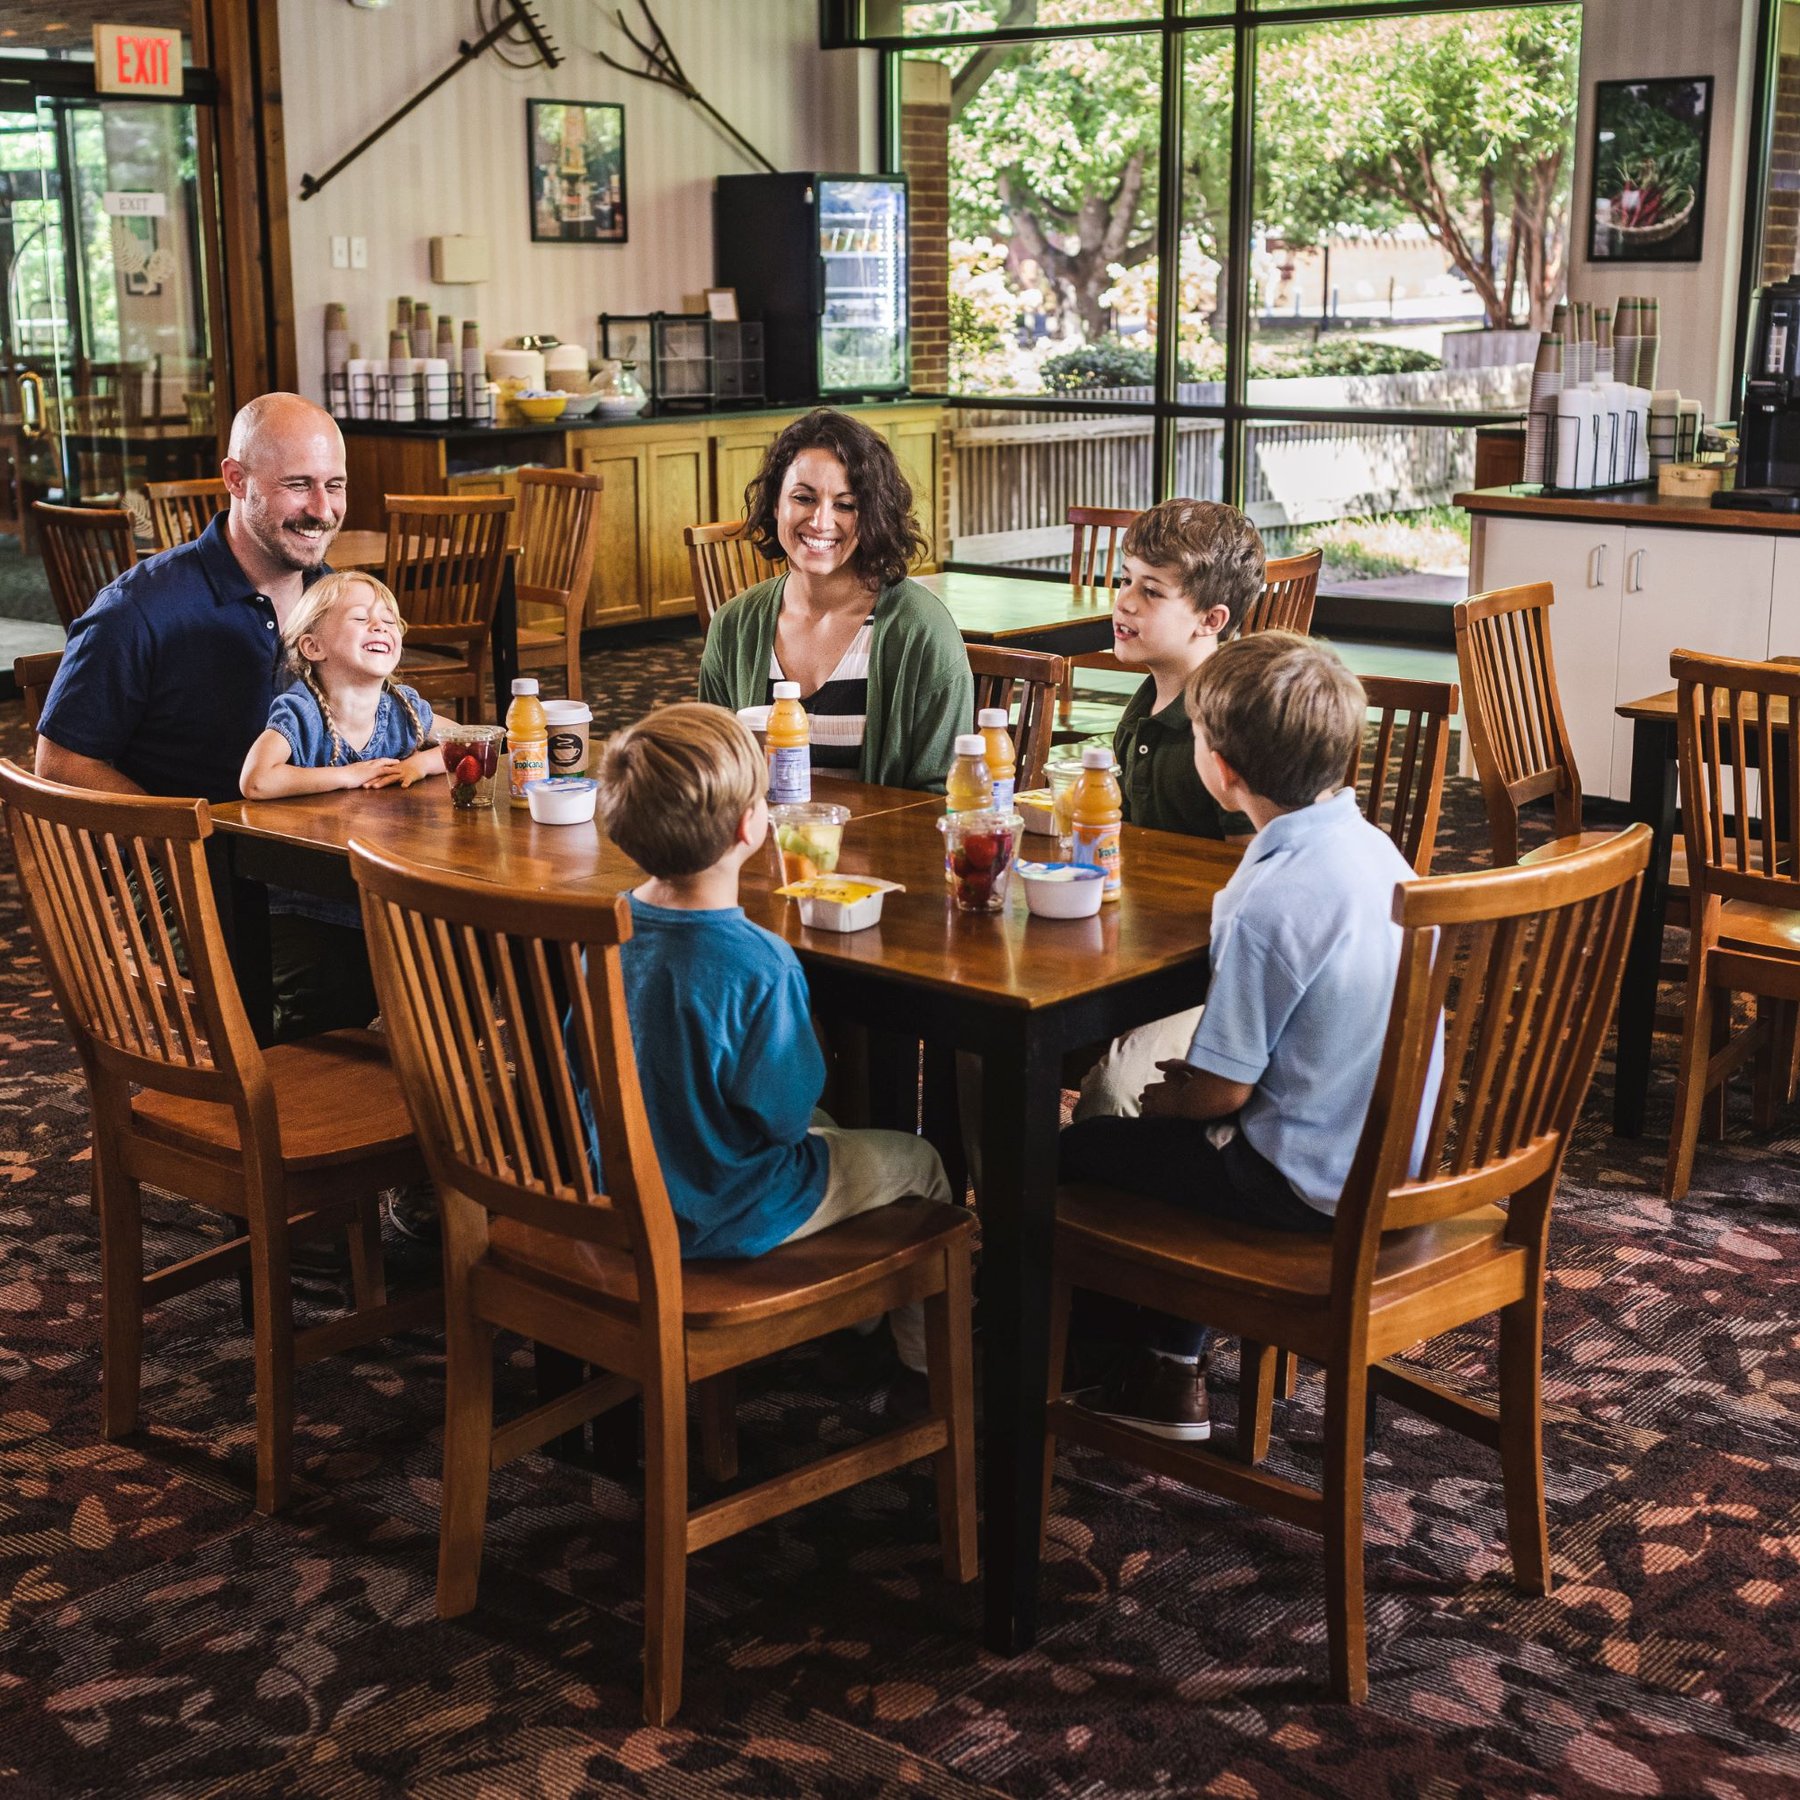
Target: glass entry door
(106,380)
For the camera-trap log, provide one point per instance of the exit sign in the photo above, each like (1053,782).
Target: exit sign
(137,59)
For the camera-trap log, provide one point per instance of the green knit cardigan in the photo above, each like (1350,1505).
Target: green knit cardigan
(921,693)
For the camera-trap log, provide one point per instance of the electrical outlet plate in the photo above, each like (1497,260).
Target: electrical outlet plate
(340,253)
(359,253)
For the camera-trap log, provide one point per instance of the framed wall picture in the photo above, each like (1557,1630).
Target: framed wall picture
(1647,186)
(577,171)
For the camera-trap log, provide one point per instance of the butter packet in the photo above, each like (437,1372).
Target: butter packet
(840,902)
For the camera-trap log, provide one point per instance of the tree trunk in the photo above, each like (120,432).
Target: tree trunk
(1101,230)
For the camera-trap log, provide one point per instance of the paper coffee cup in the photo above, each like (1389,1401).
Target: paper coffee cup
(570,723)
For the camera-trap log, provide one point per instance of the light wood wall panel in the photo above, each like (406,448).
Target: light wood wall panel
(458,164)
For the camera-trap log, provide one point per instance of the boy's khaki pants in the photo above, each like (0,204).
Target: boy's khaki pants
(1114,1085)
(870,1169)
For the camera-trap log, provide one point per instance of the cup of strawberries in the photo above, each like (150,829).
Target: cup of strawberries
(980,848)
(471,761)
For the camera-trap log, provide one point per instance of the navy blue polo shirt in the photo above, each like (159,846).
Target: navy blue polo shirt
(170,674)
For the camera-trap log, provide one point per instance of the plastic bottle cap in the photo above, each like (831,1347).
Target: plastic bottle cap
(787,690)
(1096,756)
(971,743)
(526,684)
(991,715)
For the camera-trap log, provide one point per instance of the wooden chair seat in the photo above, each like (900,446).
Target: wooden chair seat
(1586,840)
(1767,930)
(1096,1227)
(318,1130)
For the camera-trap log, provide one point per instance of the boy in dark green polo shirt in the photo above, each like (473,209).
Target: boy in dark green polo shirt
(1192,567)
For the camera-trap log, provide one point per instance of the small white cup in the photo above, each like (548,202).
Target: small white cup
(570,722)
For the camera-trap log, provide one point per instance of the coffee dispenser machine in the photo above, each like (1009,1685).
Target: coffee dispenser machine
(1769,426)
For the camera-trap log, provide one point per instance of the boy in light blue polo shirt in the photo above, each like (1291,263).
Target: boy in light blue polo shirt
(1259,1123)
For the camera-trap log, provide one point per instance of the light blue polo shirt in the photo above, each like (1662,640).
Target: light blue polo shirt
(1304,955)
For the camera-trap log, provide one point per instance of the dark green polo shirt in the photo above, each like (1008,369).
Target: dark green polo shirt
(1161,787)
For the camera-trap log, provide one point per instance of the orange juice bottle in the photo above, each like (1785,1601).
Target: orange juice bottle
(969,786)
(1097,814)
(1000,760)
(527,739)
(790,748)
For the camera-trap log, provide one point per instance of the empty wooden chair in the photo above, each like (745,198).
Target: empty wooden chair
(181,510)
(446,556)
(85,547)
(1740,799)
(32,676)
(1290,588)
(476,981)
(120,902)
(725,562)
(1096,550)
(1399,767)
(1037,679)
(559,531)
(1522,967)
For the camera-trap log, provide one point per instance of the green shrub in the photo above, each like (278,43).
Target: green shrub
(1361,356)
(1107,362)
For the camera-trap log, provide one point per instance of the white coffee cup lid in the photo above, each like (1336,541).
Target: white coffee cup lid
(568,712)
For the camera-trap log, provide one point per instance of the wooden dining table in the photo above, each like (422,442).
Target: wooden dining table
(1024,613)
(1017,991)
(367,550)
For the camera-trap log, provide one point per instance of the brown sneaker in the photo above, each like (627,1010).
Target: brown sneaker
(1154,1394)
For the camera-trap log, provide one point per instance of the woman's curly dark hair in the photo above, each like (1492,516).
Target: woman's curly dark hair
(888,538)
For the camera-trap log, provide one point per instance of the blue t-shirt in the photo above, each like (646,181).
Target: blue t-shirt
(297,717)
(721,1022)
(169,674)
(1304,955)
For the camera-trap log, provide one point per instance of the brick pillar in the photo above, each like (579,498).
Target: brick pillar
(1781,229)
(925,156)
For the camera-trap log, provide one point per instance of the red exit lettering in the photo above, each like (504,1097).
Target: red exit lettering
(143,61)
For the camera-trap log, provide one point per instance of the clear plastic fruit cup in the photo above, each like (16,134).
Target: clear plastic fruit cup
(807,838)
(979,851)
(1061,773)
(471,760)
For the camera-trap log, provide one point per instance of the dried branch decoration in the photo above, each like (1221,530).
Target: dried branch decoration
(663,68)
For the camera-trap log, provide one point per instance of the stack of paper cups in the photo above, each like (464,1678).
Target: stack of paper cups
(1665,411)
(337,357)
(1562,328)
(421,331)
(1546,381)
(1581,314)
(1619,432)
(1603,344)
(400,387)
(1628,334)
(446,338)
(1650,351)
(360,374)
(474,372)
(403,316)
(1576,411)
(436,372)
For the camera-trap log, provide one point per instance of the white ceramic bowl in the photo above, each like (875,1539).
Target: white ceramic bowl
(578,406)
(563,800)
(1062,890)
(622,406)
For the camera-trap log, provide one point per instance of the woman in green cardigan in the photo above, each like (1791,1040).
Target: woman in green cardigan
(881,666)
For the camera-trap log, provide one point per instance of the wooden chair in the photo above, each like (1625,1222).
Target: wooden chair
(559,531)
(1290,586)
(1740,789)
(117,891)
(446,556)
(32,676)
(182,510)
(1522,968)
(476,982)
(85,547)
(1096,550)
(1399,769)
(724,562)
(1038,679)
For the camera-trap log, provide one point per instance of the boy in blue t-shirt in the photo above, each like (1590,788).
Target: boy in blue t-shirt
(720,1015)
(1259,1123)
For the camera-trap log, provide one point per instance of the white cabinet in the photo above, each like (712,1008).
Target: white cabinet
(1784,603)
(1585,565)
(1686,590)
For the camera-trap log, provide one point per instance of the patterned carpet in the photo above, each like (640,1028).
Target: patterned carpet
(156,1638)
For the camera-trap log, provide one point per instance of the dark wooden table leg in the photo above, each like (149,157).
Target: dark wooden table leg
(1019,1118)
(503,639)
(244,918)
(1653,802)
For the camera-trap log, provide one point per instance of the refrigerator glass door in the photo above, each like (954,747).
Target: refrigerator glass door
(862,249)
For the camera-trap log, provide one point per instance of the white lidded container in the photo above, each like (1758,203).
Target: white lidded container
(571,725)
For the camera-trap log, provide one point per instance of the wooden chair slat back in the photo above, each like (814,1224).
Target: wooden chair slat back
(1398,766)
(445,559)
(559,529)
(182,510)
(1513,710)
(32,676)
(507,1013)
(1096,546)
(85,548)
(1290,590)
(724,562)
(1037,679)
(1521,968)
(1740,777)
(123,910)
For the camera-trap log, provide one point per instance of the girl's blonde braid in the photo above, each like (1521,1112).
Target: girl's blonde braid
(314,686)
(411,711)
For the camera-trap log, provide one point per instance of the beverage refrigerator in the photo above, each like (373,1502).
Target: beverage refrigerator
(821,260)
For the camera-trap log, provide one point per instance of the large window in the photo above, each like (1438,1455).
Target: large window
(1232,252)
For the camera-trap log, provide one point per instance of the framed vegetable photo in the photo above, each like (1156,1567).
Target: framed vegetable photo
(577,171)
(1647,199)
